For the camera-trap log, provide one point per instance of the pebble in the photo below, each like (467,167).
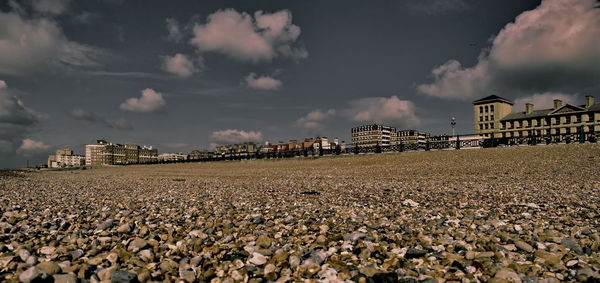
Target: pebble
(572,244)
(33,274)
(354,236)
(414,253)
(125,228)
(49,267)
(257,259)
(105,225)
(410,203)
(106,273)
(24,254)
(47,250)
(65,278)
(508,274)
(524,246)
(122,276)
(112,258)
(137,244)
(263,241)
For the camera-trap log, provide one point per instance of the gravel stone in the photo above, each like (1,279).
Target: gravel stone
(257,259)
(524,246)
(122,276)
(33,274)
(49,267)
(65,278)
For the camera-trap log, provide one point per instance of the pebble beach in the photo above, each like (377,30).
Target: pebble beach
(519,214)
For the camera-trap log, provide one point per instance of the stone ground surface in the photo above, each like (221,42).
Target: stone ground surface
(528,214)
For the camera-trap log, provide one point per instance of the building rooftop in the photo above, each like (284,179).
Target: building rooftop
(492,98)
(545,112)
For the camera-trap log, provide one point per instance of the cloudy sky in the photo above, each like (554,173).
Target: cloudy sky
(187,75)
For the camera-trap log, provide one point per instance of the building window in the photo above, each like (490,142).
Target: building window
(568,130)
(491,125)
(480,118)
(491,108)
(486,126)
(486,118)
(481,126)
(480,109)
(578,118)
(492,117)
(568,119)
(486,109)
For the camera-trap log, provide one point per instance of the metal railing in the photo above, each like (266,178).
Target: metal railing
(449,143)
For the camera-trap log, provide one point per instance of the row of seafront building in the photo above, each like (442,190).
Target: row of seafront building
(312,146)
(495,122)
(104,153)
(495,118)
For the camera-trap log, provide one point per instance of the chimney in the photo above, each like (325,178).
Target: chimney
(557,103)
(589,101)
(528,108)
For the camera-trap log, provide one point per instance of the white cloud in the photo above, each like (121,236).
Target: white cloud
(314,119)
(50,7)
(241,36)
(262,82)
(27,44)
(179,65)
(451,80)
(28,145)
(551,48)
(175,33)
(385,110)
(149,101)
(545,100)
(84,115)
(235,136)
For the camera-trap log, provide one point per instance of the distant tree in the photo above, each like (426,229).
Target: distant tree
(320,150)
(355,148)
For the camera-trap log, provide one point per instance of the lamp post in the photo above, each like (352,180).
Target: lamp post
(453,123)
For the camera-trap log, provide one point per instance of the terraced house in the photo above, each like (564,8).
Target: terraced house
(494,117)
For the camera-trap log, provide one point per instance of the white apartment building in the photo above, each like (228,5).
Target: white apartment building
(373,135)
(65,158)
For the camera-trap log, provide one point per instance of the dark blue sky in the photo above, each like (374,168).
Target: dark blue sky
(183,75)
